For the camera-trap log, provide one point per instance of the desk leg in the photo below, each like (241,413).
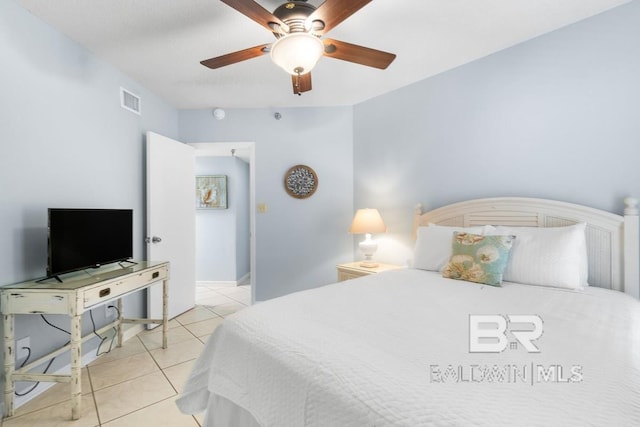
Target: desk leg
(9,364)
(76,367)
(165,311)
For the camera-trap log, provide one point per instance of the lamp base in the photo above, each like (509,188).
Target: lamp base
(368,247)
(368,264)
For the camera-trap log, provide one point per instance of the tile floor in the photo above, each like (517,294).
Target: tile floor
(136,385)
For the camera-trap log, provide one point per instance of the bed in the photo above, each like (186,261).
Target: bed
(412,348)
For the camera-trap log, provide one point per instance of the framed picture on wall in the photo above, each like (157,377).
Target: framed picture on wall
(211,192)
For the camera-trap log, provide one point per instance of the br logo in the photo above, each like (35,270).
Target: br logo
(488,333)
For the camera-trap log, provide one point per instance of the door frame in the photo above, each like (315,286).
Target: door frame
(245,150)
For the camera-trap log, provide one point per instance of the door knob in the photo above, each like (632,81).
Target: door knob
(154,239)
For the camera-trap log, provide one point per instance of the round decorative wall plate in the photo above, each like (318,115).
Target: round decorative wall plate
(300,181)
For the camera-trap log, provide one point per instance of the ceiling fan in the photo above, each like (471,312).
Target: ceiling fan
(299,28)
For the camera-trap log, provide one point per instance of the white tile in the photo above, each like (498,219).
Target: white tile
(242,299)
(228,308)
(200,418)
(131,347)
(118,371)
(58,415)
(128,385)
(178,374)
(205,327)
(213,300)
(124,398)
(186,350)
(56,394)
(161,414)
(204,338)
(204,289)
(202,292)
(153,339)
(196,314)
(173,323)
(233,291)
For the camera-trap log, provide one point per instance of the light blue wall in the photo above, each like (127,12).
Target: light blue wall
(222,235)
(66,142)
(298,242)
(557,117)
(240,187)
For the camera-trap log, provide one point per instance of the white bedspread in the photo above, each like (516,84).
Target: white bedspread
(367,353)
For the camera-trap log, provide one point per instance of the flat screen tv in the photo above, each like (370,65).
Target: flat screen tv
(87,238)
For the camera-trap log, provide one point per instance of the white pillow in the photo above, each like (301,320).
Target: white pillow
(433,245)
(552,256)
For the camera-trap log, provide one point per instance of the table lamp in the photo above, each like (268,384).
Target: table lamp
(367,222)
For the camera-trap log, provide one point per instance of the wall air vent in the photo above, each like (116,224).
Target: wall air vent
(130,101)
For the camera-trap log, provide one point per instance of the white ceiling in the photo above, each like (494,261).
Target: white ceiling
(160,43)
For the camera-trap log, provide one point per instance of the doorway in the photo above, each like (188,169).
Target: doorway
(245,151)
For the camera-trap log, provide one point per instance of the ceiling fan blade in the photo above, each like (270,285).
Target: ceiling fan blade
(232,58)
(358,54)
(256,12)
(301,83)
(333,12)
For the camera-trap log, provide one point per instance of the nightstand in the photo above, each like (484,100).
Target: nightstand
(352,270)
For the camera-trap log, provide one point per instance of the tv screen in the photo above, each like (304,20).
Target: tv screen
(85,238)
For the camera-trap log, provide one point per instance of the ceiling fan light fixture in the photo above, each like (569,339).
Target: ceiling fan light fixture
(297,53)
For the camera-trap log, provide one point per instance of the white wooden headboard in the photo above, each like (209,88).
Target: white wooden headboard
(613,241)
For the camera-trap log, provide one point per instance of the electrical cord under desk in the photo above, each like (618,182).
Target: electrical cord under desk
(102,340)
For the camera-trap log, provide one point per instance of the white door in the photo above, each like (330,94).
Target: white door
(171,221)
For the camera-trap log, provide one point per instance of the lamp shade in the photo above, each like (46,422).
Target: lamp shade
(297,53)
(367,221)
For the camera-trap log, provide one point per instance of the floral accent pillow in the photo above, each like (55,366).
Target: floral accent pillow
(476,258)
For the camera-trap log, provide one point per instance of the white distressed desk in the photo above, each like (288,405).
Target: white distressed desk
(79,292)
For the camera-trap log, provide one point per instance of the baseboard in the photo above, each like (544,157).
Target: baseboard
(87,358)
(245,280)
(131,332)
